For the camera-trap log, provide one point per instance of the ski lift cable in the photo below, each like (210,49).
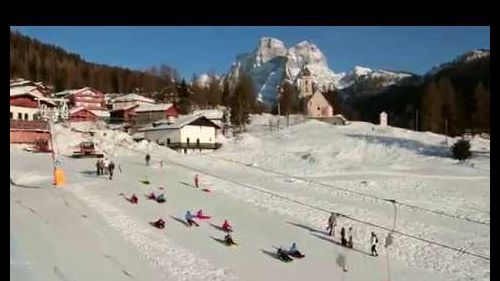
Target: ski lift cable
(428,241)
(360,193)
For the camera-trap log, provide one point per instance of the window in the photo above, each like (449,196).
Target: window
(187,140)
(318,107)
(20,116)
(11,115)
(168,141)
(26,116)
(197,141)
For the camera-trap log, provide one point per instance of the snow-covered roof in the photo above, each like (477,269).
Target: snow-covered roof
(23,90)
(73,91)
(125,107)
(153,107)
(31,91)
(179,123)
(132,97)
(210,113)
(100,113)
(76,109)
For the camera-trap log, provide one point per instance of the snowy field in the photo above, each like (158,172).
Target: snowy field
(275,187)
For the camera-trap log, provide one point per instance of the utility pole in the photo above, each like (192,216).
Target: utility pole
(446,126)
(416,122)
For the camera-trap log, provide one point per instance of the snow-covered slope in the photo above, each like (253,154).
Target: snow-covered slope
(271,63)
(275,187)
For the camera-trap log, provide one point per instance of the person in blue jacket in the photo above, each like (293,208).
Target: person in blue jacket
(294,251)
(190,219)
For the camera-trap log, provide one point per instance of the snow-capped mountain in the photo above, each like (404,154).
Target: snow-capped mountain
(205,79)
(271,63)
(384,77)
(464,58)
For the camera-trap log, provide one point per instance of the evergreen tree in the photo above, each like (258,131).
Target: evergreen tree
(481,114)
(184,103)
(243,102)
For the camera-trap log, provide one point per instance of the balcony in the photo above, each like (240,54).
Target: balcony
(29,125)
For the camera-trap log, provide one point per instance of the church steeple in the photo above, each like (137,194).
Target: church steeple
(306,85)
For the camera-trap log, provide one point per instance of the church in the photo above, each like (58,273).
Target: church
(315,103)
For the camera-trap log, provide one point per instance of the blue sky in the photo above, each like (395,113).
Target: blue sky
(202,49)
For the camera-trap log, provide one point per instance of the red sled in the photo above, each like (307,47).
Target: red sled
(206,190)
(203,217)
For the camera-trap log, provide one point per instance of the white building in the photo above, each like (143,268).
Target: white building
(383,118)
(194,132)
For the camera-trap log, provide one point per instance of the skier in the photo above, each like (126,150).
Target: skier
(229,240)
(160,223)
(133,199)
(196,180)
(98,166)
(294,251)
(332,223)
(161,163)
(374,241)
(350,233)
(226,226)
(190,219)
(342,237)
(106,166)
(282,255)
(161,198)
(148,158)
(111,168)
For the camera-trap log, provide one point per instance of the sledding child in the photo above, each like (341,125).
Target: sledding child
(226,226)
(134,199)
(152,196)
(294,251)
(161,198)
(229,240)
(282,255)
(160,223)
(190,219)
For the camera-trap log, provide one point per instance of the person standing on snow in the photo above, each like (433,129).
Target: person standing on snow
(106,166)
(374,242)
(196,180)
(98,166)
(332,223)
(148,158)
(111,168)
(350,233)
(342,237)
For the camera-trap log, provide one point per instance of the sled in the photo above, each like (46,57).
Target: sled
(297,256)
(206,190)
(203,217)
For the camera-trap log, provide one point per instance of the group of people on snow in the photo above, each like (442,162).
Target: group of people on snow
(348,242)
(105,167)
